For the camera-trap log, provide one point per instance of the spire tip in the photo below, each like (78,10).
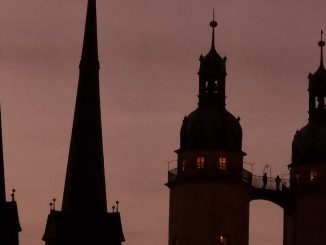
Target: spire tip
(321,44)
(213,24)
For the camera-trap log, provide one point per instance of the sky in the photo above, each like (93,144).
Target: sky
(149,54)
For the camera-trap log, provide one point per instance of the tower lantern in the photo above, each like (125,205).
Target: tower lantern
(317,89)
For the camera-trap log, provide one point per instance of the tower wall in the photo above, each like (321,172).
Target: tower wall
(203,211)
(288,227)
(305,224)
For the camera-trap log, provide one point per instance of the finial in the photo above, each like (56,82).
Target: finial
(51,204)
(54,200)
(117,202)
(321,44)
(13,194)
(213,24)
(113,208)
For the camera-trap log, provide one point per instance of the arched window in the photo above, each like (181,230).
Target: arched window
(200,162)
(222,163)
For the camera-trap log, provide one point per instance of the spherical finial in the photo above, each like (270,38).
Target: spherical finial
(321,44)
(53,201)
(213,23)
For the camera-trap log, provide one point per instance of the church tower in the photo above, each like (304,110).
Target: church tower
(305,218)
(209,201)
(84,218)
(9,221)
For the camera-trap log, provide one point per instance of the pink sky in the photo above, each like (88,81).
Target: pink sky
(149,54)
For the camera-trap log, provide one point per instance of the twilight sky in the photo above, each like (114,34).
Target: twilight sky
(149,52)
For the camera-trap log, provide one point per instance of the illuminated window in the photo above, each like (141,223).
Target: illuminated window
(200,162)
(313,175)
(223,240)
(222,163)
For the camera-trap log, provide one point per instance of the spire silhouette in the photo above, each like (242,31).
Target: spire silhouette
(9,221)
(90,49)
(213,24)
(84,218)
(85,180)
(2,174)
(321,44)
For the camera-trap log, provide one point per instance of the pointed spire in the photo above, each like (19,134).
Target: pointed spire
(321,44)
(90,49)
(85,189)
(2,175)
(213,24)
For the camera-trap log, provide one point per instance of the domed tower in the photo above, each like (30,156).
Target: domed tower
(305,221)
(209,201)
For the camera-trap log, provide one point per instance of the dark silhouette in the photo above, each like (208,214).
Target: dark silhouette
(278,182)
(264,180)
(305,216)
(9,220)
(308,142)
(210,131)
(84,218)
(211,125)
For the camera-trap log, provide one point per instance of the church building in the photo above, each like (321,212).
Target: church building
(210,191)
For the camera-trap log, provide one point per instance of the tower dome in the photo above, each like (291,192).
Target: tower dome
(211,126)
(309,143)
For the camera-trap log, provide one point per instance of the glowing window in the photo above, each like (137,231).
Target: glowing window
(313,175)
(222,163)
(200,162)
(223,240)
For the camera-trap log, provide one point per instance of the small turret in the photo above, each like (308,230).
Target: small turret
(212,74)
